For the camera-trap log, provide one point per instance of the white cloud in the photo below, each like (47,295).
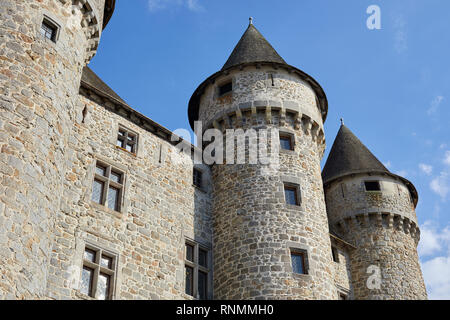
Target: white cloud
(400,36)
(436,271)
(447,158)
(388,164)
(435,105)
(427,169)
(437,278)
(402,173)
(157,5)
(441,185)
(443,146)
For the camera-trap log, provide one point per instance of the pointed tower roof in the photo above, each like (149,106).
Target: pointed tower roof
(349,155)
(252,47)
(253,50)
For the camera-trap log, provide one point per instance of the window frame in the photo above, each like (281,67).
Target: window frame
(335,254)
(290,136)
(107,184)
(304,254)
(98,269)
(223,84)
(197,268)
(198,184)
(49,23)
(124,140)
(296,189)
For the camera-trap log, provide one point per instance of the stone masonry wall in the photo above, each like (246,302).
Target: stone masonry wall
(254,229)
(39,82)
(161,209)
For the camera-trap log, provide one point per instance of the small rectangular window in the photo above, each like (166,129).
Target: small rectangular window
(335,254)
(372,185)
(198,178)
(342,296)
(127,140)
(298,262)
(291,194)
(197,271)
(107,187)
(49,30)
(99,268)
(286,141)
(225,88)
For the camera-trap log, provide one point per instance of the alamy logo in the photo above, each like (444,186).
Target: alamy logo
(374,20)
(374,280)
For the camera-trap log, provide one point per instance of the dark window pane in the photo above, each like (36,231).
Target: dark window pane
(291,195)
(48,31)
(106,262)
(189,252)
(103,286)
(131,137)
(298,263)
(203,258)
(122,132)
(224,89)
(86,281)
(372,185)
(189,281)
(342,296)
(100,170)
(97,191)
(120,143)
(116,177)
(202,285)
(113,198)
(286,143)
(197,178)
(335,254)
(89,255)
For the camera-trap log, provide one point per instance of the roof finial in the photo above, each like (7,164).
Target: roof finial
(250,20)
(342,121)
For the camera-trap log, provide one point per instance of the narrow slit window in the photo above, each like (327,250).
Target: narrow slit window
(372,185)
(335,254)
(198,178)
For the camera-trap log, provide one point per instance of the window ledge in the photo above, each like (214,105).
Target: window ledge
(131,153)
(82,296)
(302,276)
(106,209)
(293,207)
(286,151)
(199,188)
(374,192)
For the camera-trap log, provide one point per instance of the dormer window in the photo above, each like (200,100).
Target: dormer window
(225,88)
(372,185)
(49,29)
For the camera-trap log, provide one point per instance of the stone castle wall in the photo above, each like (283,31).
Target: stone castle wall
(39,83)
(382,226)
(254,228)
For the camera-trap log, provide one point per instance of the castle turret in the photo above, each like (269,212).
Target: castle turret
(271,237)
(373,209)
(44,46)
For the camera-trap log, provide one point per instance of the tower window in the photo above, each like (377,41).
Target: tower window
(225,88)
(196,270)
(49,29)
(127,140)
(286,141)
(292,194)
(372,185)
(107,188)
(343,296)
(298,260)
(335,254)
(98,274)
(198,178)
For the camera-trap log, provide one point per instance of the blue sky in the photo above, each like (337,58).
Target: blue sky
(391,85)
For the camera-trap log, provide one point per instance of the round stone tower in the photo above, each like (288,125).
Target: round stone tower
(44,46)
(374,210)
(268,217)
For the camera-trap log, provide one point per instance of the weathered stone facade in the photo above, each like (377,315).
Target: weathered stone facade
(54,131)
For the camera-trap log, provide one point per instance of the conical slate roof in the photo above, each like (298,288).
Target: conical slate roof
(252,47)
(349,155)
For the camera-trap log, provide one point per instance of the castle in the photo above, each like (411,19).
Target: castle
(97,202)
